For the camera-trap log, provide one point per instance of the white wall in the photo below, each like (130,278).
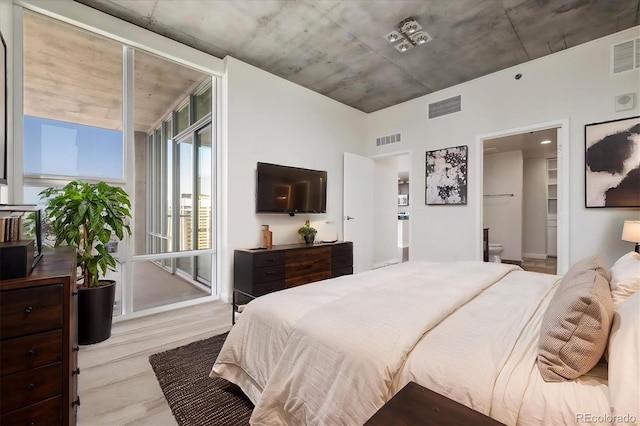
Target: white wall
(503,214)
(385,211)
(534,218)
(271,120)
(574,84)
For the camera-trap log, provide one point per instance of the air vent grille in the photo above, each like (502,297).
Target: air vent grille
(625,56)
(444,107)
(386,140)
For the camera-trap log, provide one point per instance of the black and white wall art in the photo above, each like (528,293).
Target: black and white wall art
(612,160)
(446,176)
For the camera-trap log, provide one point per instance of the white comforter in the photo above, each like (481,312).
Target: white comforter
(332,352)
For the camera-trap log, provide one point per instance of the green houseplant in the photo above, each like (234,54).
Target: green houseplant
(308,232)
(85,215)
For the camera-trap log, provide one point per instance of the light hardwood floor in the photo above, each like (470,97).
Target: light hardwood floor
(116,383)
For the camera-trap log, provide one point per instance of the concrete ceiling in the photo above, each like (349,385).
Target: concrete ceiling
(337,47)
(73,76)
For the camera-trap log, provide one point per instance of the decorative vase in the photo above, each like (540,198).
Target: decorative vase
(309,238)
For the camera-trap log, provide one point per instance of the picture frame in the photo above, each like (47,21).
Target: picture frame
(3,110)
(403,199)
(612,163)
(446,176)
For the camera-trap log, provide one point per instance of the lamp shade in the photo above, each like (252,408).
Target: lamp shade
(631,231)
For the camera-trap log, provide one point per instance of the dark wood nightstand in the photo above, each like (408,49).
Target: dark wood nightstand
(416,405)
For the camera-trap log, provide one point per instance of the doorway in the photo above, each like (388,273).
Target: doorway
(537,223)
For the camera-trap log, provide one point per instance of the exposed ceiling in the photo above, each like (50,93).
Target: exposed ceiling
(74,76)
(337,47)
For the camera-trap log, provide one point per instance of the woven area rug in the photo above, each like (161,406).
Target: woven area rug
(194,397)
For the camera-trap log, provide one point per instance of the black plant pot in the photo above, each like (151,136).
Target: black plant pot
(309,238)
(95,312)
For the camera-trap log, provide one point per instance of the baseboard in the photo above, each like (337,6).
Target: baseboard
(385,263)
(535,255)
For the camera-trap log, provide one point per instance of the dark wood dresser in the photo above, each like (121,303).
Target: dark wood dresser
(38,343)
(257,272)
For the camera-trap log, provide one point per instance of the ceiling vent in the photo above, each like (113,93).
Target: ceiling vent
(625,56)
(447,106)
(386,140)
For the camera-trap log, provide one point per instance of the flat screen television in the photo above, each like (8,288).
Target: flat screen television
(284,189)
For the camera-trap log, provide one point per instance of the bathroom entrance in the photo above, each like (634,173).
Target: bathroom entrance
(520,198)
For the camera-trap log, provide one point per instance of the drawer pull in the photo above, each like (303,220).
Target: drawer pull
(31,352)
(30,387)
(76,402)
(76,348)
(31,424)
(28,309)
(76,371)
(270,259)
(270,273)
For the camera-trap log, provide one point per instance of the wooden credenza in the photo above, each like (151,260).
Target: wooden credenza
(257,272)
(38,343)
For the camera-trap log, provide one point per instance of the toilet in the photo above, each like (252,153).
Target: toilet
(495,250)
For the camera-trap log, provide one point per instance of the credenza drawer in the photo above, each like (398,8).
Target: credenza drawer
(30,310)
(341,271)
(306,268)
(265,288)
(47,412)
(268,273)
(30,386)
(21,353)
(305,255)
(268,259)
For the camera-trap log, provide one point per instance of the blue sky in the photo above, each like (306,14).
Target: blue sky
(60,148)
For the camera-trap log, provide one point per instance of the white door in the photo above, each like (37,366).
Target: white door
(358,209)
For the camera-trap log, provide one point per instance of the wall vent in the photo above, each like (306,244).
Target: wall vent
(625,56)
(447,106)
(386,140)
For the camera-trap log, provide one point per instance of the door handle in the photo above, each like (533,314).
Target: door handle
(349,217)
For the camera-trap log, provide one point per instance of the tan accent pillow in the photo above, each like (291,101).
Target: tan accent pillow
(575,327)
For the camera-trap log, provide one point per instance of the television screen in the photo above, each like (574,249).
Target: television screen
(284,189)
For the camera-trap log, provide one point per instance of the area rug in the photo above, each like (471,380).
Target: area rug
(194,397)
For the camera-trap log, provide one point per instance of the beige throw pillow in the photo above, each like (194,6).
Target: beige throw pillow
(575,327)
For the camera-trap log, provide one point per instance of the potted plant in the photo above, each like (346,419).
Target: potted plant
(308,232)
(85,215)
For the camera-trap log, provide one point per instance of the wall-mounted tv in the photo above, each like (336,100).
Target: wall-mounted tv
(284,189)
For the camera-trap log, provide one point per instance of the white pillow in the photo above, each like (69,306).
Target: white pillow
(624,368)
(625,277)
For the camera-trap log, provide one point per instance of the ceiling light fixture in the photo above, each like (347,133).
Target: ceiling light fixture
(545,142)
(409,33)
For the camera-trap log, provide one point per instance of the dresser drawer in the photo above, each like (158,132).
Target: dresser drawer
(268,259)
(308,267)
(22,353)
(47,412)
(268,273)
(306,279)
(27,387)
(342,250)
(265,288)
(339,262)
(341,271)
(30,310)
(311,254)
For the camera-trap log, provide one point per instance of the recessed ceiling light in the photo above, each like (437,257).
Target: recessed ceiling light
(545,142)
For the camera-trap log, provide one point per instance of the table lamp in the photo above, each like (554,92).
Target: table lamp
(631,232)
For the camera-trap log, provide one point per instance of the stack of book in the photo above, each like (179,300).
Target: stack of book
(10,226)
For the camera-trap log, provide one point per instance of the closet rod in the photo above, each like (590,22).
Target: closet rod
(498,195)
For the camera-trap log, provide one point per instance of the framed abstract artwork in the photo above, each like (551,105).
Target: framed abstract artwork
(3,110)
(446,176)
(612,163)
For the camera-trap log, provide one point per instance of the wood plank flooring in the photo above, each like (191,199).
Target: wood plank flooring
(116,383)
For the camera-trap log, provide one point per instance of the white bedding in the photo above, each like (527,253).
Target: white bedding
(335,351)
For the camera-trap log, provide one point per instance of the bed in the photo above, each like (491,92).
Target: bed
(333,352)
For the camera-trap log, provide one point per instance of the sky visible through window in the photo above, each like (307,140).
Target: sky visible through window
(59,148)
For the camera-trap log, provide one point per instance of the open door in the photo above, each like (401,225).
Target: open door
(358,209)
